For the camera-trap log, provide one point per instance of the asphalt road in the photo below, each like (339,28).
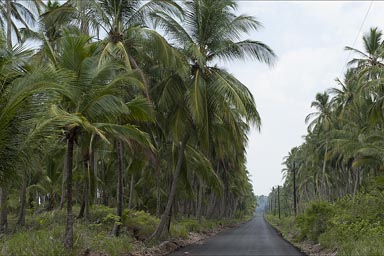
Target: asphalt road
(255,237)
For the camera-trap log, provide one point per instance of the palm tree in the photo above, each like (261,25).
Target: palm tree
(347,95)
(209,31)
(93,106)
(292,162)
(373,46)
(127,35)
(322,117)
(321,123)
(12,11)
(19,95)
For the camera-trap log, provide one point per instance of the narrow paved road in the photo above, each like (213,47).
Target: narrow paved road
(255,237)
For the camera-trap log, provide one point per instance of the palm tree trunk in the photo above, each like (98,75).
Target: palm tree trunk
(294,192)
(63,183)
(131,191)
(357,175)
(105,196)
(143,78)
(225,194)
(211,206)
(165,217)
(92,180)
(9,24)
(23,198)
(84,211)
(119,208)
(158,199)
(324,185)
(4,210)
(68,236)
(199,203)
(84,28)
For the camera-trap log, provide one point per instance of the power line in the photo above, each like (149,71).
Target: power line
(357,36)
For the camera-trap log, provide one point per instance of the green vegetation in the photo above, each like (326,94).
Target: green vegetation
(352,226)
(106,123)
(334,180)
(42,234)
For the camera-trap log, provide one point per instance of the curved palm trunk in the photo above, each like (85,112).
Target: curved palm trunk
(9,24)
(171,199)
(357,178)
(143,78)
(119,210)
(324,185)
(68,236)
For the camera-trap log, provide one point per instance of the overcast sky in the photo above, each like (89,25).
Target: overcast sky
(309,39)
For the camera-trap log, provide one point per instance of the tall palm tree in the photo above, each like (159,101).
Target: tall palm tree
(92,107)
(209,31)
(127,36)
(20,99)
(347,95)
(12,11)
(321,125)
(374,51)
(321,119)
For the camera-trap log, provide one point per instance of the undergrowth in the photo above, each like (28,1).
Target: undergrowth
(351,225)
(43,232)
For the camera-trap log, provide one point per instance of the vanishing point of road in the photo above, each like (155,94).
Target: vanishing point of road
(256,237)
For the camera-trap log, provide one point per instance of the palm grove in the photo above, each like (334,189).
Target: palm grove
(334,180)
(108,111)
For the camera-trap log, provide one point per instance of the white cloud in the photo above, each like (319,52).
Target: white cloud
(309,38)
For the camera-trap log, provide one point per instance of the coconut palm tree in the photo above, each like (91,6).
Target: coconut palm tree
(20,100)
(12,11)
(209,31)
(127,36)
(93,106)
(373,47)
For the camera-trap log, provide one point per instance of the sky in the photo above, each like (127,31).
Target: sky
(309,39)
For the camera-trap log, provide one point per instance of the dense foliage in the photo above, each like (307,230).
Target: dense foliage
(105,110)
(336,176)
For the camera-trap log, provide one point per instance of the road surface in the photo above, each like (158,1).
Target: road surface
(255,237)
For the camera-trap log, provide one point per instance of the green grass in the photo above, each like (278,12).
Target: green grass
(286,225)
(351,225)
(43,232)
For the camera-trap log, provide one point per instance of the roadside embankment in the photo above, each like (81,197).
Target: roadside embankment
(348,226)
(43,233)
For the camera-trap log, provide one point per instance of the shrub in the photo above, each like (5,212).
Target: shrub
(192,225)
(140,223)
(179,230)
(38,242)
(315,220)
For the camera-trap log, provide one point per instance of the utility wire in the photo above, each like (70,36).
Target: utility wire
(357,36)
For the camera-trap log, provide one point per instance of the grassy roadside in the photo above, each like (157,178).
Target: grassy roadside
(43,233)
(350,226)
(289,230)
